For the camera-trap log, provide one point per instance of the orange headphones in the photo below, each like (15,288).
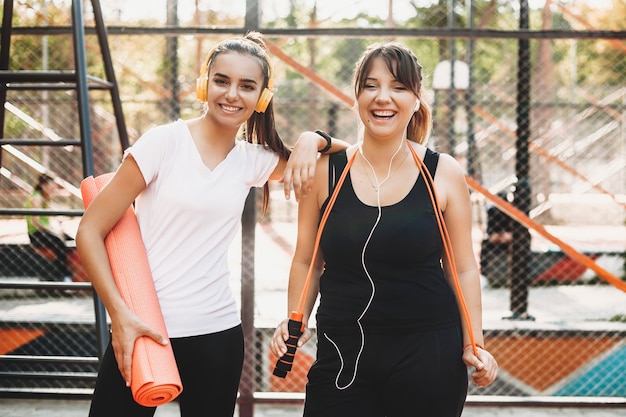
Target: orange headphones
(202,84)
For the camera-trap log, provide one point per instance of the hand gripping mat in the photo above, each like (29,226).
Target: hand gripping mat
(155,379)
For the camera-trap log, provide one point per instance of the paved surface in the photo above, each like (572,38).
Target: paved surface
(79,408)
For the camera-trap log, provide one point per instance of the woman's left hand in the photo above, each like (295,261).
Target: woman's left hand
(485,365)
(300,168)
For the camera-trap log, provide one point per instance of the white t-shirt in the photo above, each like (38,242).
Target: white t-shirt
(188,216)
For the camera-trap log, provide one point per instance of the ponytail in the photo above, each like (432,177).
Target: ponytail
(420,124)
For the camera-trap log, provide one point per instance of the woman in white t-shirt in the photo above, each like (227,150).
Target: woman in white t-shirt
(189,181)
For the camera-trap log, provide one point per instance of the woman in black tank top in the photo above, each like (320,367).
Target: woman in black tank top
(390,337)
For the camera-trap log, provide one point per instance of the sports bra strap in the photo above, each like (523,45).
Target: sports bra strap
(336,163)
(431,159)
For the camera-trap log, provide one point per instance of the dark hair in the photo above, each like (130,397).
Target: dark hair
(43,179)
(405,67)
(260,127)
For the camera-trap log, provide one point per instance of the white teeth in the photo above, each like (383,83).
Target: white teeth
(229,108)
(383,113)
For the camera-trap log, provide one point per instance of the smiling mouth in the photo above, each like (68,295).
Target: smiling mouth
(383,114)
(230,109)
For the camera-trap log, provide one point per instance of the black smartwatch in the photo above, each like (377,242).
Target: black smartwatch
(329,141)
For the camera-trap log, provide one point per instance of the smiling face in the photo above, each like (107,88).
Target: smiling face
(385,104)
(235,84)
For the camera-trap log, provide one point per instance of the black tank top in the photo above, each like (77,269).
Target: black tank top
(403,259)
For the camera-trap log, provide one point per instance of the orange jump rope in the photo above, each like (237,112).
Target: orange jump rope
(295,325)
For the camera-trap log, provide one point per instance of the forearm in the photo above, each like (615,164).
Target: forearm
(469,284)
(327,144)
(94,259)
(297,282)
(338,145)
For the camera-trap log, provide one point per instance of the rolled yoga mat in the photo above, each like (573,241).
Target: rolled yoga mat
(155,379)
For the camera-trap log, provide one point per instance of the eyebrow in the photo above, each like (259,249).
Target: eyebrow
(244,80)
(393,80)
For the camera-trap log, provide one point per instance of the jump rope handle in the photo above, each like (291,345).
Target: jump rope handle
(295,326)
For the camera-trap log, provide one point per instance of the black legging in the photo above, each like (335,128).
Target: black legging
(60,269)
(209,366)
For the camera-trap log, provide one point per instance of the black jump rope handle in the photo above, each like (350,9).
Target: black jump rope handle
(284,364)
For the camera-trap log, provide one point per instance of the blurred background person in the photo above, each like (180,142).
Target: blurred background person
(45,234)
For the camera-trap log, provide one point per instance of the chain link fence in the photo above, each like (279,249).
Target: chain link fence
(533,108)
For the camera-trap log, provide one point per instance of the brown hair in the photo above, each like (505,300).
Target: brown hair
(405,67)
(260,127)
(43,179)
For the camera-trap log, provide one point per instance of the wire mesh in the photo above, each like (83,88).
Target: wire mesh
(557,328)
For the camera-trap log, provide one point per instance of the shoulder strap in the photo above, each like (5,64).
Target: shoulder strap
(431,160)
(336,163)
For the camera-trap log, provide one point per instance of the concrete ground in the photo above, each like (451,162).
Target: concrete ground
(475,408)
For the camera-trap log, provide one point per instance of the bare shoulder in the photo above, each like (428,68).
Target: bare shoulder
(449,166)
(418,148)
(320,184)
(450,181)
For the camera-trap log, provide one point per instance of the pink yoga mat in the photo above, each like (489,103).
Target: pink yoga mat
(155,378)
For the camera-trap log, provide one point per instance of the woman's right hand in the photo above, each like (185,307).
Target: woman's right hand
(281,334)
(125,330)
(485,366)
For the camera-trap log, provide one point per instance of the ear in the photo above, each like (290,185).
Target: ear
(417,105)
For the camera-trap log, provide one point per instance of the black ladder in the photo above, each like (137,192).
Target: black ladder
(75,79)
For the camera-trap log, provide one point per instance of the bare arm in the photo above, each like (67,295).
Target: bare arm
(99,218)
(454,198)
(299,171)
(308,216)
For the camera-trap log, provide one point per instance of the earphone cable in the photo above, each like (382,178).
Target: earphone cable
(369,277)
